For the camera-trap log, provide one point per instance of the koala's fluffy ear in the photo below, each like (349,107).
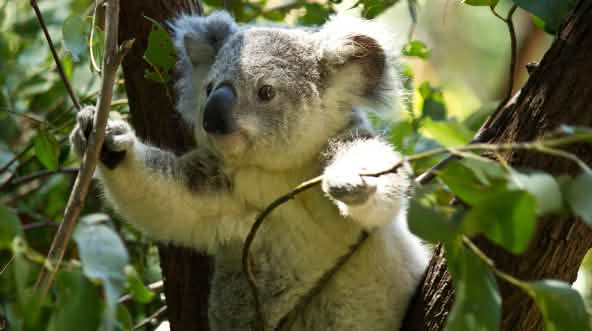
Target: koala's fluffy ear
(362,47)
(199,38)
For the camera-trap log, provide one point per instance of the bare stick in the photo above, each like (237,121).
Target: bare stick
(148,320)
(41,174)
(111,61)
(55,55)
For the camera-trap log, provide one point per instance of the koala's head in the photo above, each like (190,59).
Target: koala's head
(273,96)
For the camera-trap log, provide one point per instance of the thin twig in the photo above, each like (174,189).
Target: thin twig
(15,158)
(40,174)
(253,232)
(148,320)
(55,55)
(111,61)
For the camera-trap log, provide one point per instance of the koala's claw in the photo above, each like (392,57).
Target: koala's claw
(119,137)
(351,189)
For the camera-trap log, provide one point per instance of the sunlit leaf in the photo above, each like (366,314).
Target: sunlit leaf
(543,187)
(136,287)
(447,133)
(416,48)
(578,195)
(562,306)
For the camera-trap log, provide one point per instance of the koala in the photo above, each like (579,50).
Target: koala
(271,107)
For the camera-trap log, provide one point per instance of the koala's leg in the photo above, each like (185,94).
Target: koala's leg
(179,199)
(371,201)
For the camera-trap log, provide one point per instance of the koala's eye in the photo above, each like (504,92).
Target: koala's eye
(209,89)
(266,93)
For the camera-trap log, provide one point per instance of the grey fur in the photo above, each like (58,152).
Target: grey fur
(208,198)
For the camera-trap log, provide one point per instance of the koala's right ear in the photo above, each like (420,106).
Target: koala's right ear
(200,38)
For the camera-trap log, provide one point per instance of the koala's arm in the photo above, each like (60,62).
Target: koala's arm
(370,201)
(178,199)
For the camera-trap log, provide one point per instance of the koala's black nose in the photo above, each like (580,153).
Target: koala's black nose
(218,111)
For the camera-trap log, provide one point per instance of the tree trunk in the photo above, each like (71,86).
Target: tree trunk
(185,273)
(558,92)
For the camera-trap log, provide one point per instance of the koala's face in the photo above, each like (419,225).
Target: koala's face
(272,96)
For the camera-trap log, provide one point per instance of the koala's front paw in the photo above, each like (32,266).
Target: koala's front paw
(119,137)
(347,186)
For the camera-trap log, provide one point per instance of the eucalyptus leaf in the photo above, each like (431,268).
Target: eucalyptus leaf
(416,48)
(543,187)
(74,32)
(429,224)
(47,149)
(160,53)
(136,287)
(477,302)
(506,218)
(78,306)
(103,258)
(561,305)
(10,226)
(578,193)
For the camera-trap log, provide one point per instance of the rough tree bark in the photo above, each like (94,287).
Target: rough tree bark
(186,273)
(558,92)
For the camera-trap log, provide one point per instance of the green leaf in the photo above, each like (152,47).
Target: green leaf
(551,12)
(489,3)
(473,180)
(578,195)
(447,133)
(77,303)
(433,106)
(506,218)
(429,223)
(47,149)
(477,302)
(416,48)
(160,53)
(136,287)
(562,306)
(543,187)
(10,226)
(104,258)
(316,14)
(74,33)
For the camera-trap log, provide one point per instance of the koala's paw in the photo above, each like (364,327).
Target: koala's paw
(347,186)
(119,138)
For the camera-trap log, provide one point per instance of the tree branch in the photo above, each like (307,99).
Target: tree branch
(55,55)
(112,59)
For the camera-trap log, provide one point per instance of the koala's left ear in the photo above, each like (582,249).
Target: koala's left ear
(200,38)
(350,42)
